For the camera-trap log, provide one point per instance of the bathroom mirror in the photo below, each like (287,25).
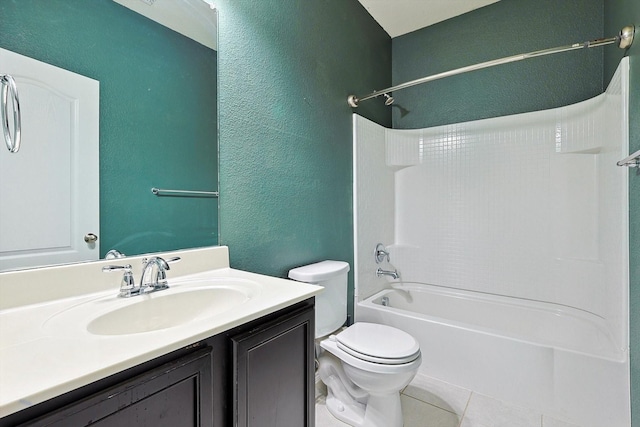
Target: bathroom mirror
(156,61)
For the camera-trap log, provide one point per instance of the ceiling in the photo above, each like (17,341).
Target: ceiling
(195,19)
(399,17)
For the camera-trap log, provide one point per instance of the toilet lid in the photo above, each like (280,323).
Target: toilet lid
(378,343)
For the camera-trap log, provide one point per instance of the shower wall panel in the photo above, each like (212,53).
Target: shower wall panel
(531,206)
(374,205)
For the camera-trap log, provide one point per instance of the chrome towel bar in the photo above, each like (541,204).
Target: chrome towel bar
(183,193)
(8,84)
(632,161)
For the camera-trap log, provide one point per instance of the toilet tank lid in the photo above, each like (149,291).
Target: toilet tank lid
(319,271)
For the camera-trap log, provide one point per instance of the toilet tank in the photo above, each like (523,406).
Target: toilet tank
(331,305)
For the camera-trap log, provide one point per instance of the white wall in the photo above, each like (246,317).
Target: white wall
(530,206)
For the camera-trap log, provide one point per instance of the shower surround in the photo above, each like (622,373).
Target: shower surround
(523,216)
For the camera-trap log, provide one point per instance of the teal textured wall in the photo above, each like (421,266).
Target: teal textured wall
(506,28)
(286,68)
(152,80)
(619,13)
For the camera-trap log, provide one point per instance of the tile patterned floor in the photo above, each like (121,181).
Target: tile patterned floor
(428,402)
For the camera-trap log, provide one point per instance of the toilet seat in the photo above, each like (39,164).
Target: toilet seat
(398,351)
(378,343)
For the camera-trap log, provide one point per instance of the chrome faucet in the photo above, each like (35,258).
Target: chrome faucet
(393,274)
(154,276)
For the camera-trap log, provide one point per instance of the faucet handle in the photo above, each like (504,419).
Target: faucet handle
(109,268)
(162,275)
(165,262)
(162,272)
(128,283)
(381,253)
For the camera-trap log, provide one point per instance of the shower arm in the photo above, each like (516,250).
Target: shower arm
(624,40)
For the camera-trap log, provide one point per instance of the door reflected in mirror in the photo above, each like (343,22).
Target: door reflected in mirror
(158,119)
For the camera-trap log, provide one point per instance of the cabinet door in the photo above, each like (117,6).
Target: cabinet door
(179,393)
(274,373)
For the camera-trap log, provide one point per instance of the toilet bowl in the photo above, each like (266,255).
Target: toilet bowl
(366,365)
(364,368)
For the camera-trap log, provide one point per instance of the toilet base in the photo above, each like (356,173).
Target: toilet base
(349,414)
(345,400)
(384,410)
(353,405)
(380,411)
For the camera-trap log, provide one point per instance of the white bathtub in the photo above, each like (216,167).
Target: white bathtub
(557,360)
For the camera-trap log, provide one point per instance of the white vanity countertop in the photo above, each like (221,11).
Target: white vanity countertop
(39,361)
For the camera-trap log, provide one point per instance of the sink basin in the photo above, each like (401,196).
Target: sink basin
(160,311)
(184,303)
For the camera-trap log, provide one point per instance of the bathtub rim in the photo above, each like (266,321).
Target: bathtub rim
(614,353)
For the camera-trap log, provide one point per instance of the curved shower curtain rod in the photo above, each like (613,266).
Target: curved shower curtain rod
(624,40)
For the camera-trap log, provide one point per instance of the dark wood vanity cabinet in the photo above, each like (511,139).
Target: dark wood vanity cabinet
(273,374)
(260,374)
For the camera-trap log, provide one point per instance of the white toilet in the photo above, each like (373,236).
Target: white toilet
(366,365)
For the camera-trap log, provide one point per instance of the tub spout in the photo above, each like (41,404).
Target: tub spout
(393,274)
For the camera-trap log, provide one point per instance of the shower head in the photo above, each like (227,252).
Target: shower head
(389,99)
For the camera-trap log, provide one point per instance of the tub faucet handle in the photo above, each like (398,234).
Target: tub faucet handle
(381,253)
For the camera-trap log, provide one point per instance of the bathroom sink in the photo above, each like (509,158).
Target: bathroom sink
(180,305)
(160,311)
